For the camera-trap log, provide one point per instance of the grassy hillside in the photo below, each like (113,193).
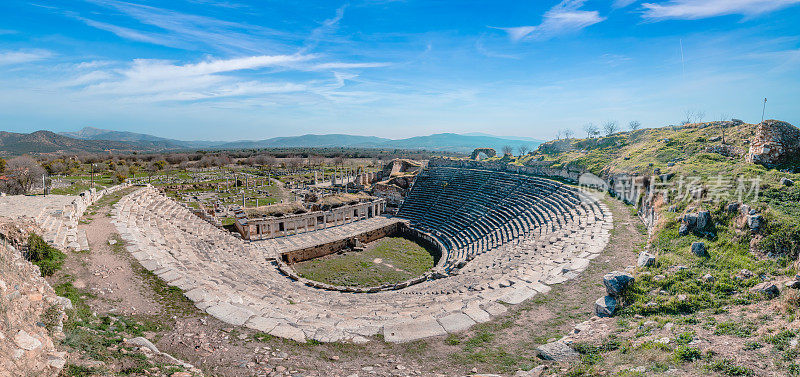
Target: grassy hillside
(12,144)
(693,293)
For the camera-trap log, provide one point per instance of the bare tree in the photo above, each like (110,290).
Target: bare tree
(559,133)
(634,125)
(590,129)
(24,172)
(568,133)
(508,151)
(523,150)
(610,127)
(723,118)
(693,116)
(699,115)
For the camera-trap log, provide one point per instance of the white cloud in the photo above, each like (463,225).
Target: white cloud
(623,3)
(698,9)
(146,69)
(564,18)
(23,56)
(147,80)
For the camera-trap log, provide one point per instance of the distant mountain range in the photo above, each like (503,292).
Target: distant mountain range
(91,139)
(49,142)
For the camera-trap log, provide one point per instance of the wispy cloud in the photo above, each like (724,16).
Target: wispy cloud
(327,27)
(132,34)
(519,32)
(698,9)
(564,18)
(623,3)
(23,56)
(492,54)
(324,66)
(187,31)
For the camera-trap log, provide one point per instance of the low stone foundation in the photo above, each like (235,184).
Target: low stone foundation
(391,230)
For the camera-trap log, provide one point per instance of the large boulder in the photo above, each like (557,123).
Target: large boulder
(617,282)
(704,221)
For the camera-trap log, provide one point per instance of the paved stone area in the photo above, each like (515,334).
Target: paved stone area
(237,282)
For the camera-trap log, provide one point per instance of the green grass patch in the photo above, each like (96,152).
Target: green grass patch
(400,260)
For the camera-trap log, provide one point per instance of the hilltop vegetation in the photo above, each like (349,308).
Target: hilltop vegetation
(692,169)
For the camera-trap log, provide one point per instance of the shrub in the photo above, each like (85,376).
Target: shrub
(728,368)
(48,258)
(685,354)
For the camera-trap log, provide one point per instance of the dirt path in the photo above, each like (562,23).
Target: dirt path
(107,273)
(503,345)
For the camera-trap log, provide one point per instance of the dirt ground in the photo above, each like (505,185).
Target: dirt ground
(502,346)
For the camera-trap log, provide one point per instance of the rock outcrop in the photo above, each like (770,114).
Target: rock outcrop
(774,144)
(32,316)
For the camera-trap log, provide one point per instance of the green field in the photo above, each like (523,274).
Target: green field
(385,261)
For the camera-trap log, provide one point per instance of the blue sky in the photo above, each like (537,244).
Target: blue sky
(235,69)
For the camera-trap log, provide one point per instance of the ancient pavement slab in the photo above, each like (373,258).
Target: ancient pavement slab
(289,332)
(456,322)
(229,313)
(412,329)
(518,295)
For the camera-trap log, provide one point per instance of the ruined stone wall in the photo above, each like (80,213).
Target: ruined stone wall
(534,169)
(271,227)
(775,143)
(300,255)
(31,316)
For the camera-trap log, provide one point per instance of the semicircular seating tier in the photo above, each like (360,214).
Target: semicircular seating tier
(507,237)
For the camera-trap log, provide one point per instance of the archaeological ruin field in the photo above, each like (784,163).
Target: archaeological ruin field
(652,251)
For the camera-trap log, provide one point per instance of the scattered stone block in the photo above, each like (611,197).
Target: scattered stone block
(142,343)
(605,306)
(646,259)
(699,249)
(617,282)
(767,288)
(535,372)
(26,341)
(557,351)
(755,222)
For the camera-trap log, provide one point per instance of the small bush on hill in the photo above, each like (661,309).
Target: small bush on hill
(48,258)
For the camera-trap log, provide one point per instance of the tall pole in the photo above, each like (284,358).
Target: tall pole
(763,110)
